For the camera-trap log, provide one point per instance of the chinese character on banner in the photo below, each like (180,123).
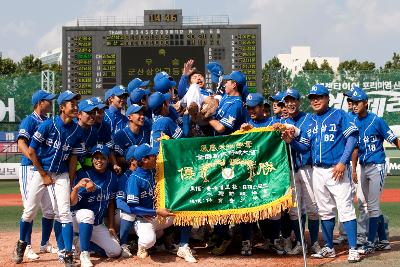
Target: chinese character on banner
(265,168)
(187,173)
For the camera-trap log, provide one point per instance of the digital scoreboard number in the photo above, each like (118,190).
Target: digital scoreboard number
(96,58)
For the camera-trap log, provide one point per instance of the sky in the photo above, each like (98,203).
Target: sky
(353,29)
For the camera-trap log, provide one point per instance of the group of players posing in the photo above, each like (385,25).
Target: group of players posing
(91,163)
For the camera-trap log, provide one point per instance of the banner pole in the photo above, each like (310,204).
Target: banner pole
(298,207)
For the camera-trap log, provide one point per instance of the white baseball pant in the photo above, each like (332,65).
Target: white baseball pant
(34,194)
(332,195)
(148,230)
(305,193)
(60,197)
(118,215)
(100,234)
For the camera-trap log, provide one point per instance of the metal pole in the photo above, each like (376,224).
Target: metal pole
(298,208)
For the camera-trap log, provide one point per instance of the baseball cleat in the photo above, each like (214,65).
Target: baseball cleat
(30,254)
(354,256)
(18,254)
(126,253)
(246,248)
(367,248)
(85,259)
(185,253)
(47,248)
(383,245)
(325,252)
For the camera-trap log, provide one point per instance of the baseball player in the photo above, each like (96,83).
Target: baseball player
(162,123)
(49,150)
(139,97)
(140,194)
(89,205)
(371,154)
(104,134)
(137,132)
(189,76)
(330,133)
(116,100)
(33,190)
(123,214)
(303,178)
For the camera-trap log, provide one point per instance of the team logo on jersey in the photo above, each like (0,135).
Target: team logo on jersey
(228,173)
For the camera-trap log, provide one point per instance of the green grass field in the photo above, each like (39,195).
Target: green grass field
(11,215)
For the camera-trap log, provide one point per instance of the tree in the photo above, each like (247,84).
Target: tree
(275,77)
(29,64)
(310,66)
(326,67)
(7,66)
(354,65)
(394,63)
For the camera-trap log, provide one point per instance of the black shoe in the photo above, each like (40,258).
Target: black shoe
(19,251)
(69,259)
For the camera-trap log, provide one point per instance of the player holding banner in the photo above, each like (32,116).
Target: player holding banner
(332,137)
(371,154)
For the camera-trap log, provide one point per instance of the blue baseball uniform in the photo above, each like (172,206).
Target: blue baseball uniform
(140,189)
(230,113)
(125,138)
(54,142)
(96,201)
(115,118)
(371,154)
(164,125)
(90,210)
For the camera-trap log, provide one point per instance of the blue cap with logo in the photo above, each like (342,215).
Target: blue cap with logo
(136,83)
(67,96)
(293,93)
(163,82)
(349,92)
(86,105)
(130,153)
(117,90)
(156,100)
(358,95)
(216,71)
(254,99)
(98,102)
(40,95)
(134,108)
(137,95)
(144,150)
(318,89)
(277,97)
(236,76)
(103,149)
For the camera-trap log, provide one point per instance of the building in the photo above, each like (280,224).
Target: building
(298,57)
(51,57)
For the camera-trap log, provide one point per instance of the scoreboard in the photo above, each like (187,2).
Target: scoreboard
(96,58)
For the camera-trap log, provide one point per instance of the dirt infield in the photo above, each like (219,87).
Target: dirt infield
(233,259)
(6,200)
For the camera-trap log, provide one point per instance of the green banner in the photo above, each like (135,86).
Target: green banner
(243,177)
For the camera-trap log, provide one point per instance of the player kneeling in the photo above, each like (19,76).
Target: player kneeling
(91,198)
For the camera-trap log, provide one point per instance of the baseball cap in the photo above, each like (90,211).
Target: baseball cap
(254,99)
(157,99)
(103,149)
(163,82)
(216,71)
(86,105)
(98,102)
(293,93)
(134,108)
(277,97)
(130,153)
(136,83)
(318,89)
(349,92)
(144,150)
(40,95)
(67,96)
(236,76)
(266,103)
(138,94)
(117,90)
(358,94)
